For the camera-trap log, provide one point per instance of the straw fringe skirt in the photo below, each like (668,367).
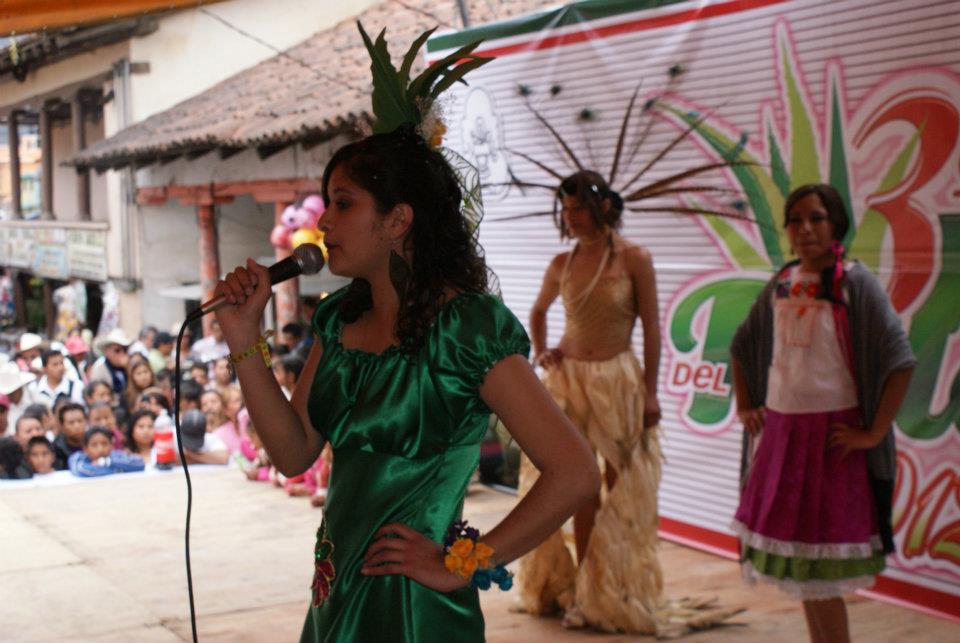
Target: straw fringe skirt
(619,584)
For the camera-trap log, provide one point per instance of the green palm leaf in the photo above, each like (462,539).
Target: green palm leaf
(420,86)
(389,103)
(411,56)
(457,74)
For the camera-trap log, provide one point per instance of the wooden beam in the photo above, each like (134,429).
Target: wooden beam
(264,191)
(197,195)
(26,16)
(152,195)
(269,191)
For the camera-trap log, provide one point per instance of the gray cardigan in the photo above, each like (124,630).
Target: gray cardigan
(880,346)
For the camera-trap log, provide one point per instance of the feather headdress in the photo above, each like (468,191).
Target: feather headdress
(623,178)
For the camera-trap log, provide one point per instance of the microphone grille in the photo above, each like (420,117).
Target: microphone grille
(310,258)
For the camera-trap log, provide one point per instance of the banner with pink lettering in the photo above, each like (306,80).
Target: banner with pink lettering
(864,96)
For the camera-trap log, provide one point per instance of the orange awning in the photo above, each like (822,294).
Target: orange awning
(25,16)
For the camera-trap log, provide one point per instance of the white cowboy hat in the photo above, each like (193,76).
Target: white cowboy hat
(12,378)
(115,336)
(28,341)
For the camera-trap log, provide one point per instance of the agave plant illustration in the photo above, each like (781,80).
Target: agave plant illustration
(891,218)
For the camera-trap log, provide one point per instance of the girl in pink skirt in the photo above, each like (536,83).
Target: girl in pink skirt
(820,367)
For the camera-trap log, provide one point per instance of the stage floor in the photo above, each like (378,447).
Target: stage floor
(101,561)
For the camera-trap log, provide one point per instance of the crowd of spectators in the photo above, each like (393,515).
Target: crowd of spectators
(92,406)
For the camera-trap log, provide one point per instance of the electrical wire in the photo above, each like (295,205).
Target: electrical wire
(283,54)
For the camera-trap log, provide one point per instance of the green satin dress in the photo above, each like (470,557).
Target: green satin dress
(406,432)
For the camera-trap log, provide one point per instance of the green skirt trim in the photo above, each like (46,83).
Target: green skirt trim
(806,569)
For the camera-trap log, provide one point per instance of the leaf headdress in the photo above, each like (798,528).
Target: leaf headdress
(399,101)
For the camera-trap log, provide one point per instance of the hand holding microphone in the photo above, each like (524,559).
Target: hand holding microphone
(243,294)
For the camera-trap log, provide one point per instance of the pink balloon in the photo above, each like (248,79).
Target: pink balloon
(314,203)
(314,220)
(280,237)
(304,217)
(292,217)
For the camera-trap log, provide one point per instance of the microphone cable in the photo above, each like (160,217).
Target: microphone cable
(186,475)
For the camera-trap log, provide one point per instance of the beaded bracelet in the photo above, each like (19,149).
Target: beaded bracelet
(259,345)
(468,558)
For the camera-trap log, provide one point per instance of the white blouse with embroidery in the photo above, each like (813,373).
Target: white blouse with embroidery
(808,373)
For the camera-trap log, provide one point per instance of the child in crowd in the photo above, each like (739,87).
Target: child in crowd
(221,418)
(164,380)
(139,434)
(322,470)
(199,446)
(12,464)
(97,391)
(313,482)
(252,457)
(102,414)
(287,370)
(222,375)
(190,392)
(820,367)
(231,432)
(42,413)
(153,399)
(99,458)
(73,424)
(139,378)
(40,455)
(55,381)
(200,374)
(211,403)
(59,404)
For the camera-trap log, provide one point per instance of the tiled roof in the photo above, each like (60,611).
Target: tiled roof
(311,93)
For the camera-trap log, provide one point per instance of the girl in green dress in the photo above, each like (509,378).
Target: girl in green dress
(409,361)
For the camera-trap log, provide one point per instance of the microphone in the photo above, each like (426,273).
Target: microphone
(307,259)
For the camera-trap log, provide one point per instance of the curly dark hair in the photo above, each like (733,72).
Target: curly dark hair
(590,189)
(399,167)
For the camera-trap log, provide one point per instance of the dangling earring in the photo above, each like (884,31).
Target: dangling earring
(399,272)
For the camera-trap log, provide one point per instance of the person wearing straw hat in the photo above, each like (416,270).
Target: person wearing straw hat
(4,414)
(28,349)
(13,384)
(111,367)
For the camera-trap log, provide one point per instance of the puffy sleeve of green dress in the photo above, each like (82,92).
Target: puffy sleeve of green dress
(406,431)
